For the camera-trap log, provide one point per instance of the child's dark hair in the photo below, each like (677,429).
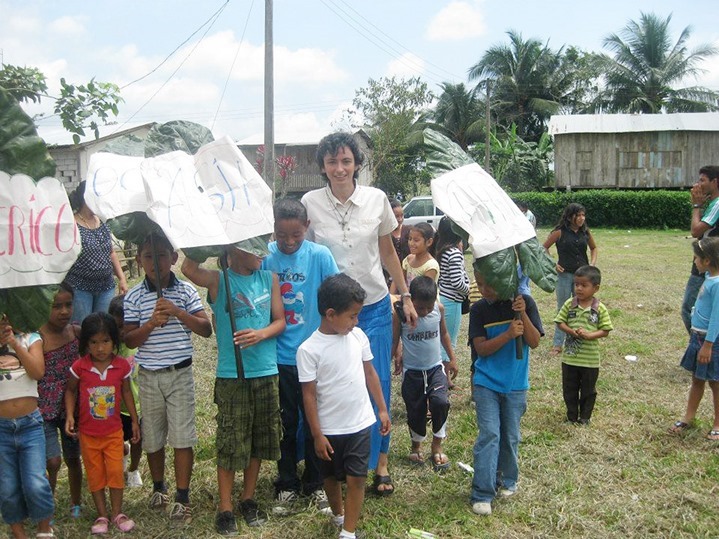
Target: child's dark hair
(425,229)
(289,208)
(708,248)
(568,214)
(66,287)
(339,292)
(446,236)
(423,289)
(117,306)
(332,143)
(160,241)
(394,203)
(98,323)
(590,272)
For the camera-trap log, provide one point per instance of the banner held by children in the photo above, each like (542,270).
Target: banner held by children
(215,197)
(39,241)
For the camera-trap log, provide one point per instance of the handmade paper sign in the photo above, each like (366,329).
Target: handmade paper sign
(474,200)
(212,198)
(39,241)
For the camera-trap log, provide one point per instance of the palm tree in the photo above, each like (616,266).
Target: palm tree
(646,67)
(458,114)
(523,88)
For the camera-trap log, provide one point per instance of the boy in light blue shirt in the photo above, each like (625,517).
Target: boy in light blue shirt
(301,266)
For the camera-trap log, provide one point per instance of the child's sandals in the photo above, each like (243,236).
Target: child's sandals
(416,458)
(713,435)
(440,462)
(123,523)
(100,527)
(678,428)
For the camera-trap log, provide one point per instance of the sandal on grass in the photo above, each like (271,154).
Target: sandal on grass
(678,427)
(713,435)
(46,535)
(440,462)
(100,526)
(385,480)
(416,458)
(123,523)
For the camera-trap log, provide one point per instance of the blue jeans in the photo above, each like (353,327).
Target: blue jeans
(85,303)
(496,448)
(564,290)
(452,318)
(690,298)
(24,488)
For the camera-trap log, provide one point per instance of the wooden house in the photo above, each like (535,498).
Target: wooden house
(628,151)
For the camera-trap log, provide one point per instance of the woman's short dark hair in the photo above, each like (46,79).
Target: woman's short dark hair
(339,292)
(332,143)
(98,323)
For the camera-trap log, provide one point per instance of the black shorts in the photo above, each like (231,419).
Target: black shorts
(350,457)
(126,427)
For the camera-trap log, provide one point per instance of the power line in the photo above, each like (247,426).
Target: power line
(158,66)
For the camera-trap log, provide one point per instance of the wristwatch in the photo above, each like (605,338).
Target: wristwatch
(406,295)
(696,206)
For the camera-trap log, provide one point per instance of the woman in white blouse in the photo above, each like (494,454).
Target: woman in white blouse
(356,222)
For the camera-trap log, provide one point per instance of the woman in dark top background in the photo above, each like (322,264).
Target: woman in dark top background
(400,235)
(572,238)
(91,276)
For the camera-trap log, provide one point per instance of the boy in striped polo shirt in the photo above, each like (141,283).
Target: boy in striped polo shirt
(584,319)
(161,330)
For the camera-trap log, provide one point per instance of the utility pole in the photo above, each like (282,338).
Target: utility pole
(487,128)
(269,165)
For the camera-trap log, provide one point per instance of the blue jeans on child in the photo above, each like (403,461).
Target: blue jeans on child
(564,291)
(495,451)
(24,488)
(84,303)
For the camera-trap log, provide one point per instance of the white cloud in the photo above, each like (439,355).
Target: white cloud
(407,65)
(457,20)
(70,26)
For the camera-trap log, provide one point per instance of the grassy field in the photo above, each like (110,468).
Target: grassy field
(621,477)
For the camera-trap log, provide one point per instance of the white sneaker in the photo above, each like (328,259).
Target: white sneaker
(286,499)
(482,508)
(134,479)
(321,501)
(506,493)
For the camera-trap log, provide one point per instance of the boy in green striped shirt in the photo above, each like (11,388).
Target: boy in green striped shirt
(584,319)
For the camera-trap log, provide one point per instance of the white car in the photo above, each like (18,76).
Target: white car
(422,209)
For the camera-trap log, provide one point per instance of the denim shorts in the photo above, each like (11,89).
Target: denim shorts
(70,446)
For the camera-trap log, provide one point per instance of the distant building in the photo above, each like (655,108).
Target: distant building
(633,150)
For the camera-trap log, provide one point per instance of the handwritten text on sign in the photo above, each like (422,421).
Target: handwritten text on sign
(212,198)
(39,241)
(474,200)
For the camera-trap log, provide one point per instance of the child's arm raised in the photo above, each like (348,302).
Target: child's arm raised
(248,337)
(451,365)
(129,401)
(31,359)
(205,278)
(323,448)
(375,389)
(70,401)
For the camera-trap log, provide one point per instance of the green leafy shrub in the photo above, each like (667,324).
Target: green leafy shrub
(610,208)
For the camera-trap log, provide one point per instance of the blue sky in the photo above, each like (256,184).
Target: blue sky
(324,50)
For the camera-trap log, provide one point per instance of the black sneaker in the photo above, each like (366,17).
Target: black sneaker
(225,523)
(253,515)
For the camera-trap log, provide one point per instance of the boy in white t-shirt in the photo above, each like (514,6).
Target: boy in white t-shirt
(335,368)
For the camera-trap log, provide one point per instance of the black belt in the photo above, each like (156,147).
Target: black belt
(181,365)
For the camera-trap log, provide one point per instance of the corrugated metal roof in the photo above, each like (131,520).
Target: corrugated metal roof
(59,136)
(632,123)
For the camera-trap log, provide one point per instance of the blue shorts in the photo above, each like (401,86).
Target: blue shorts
(70,446)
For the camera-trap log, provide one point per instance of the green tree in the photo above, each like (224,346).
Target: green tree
(79,107)
(646,69)
(392,111)
(459,114)
(519,78)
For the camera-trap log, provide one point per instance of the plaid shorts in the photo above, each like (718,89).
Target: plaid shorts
(168,409)
(248,421)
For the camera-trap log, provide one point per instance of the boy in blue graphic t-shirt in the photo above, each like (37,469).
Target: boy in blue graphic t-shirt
(301,266)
